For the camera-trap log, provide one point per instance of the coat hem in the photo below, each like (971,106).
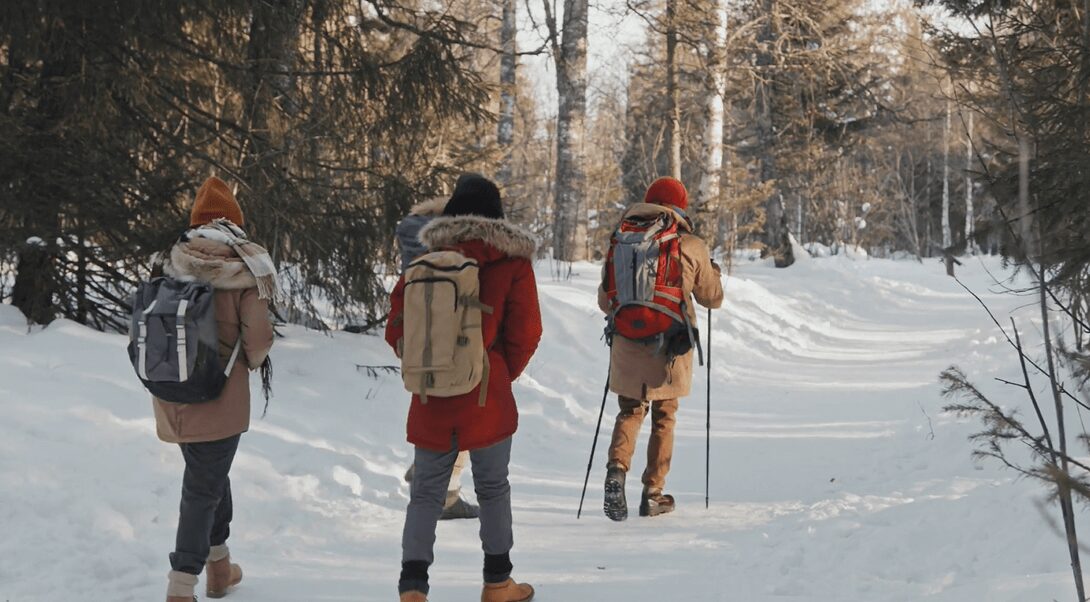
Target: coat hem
(200,438)
(489,442)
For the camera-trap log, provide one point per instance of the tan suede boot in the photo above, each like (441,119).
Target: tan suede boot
(413,597)
(219,574)
(508,591)
(180,586)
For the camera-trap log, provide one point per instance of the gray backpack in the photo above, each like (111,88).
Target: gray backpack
(174,341)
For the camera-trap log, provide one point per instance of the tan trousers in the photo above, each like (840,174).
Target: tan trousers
(660,449)
(456,476)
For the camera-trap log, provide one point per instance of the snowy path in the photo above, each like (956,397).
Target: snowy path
(827,482)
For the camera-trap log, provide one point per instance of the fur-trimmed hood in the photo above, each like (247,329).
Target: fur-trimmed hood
(505,237)
(429,208)
(210,261)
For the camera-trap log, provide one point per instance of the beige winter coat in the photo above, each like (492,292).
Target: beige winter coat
(638,371)
(239,312)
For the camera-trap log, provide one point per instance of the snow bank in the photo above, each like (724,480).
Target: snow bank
(835,474)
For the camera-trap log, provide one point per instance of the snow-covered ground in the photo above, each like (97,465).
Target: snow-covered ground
(835,474)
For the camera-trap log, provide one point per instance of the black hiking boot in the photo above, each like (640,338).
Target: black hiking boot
(654,504)
(616,505)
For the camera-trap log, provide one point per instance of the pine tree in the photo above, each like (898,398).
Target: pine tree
(115,113)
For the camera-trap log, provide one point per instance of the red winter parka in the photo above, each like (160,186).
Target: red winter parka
(511,332)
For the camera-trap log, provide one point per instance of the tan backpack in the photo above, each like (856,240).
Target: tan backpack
(442,349)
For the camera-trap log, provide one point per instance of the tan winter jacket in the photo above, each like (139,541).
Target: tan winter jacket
(239,312)
(638,371)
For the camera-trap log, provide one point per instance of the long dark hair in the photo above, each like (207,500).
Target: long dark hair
(266,382)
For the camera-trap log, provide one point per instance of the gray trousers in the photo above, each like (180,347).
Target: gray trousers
(429,492)
(204,519)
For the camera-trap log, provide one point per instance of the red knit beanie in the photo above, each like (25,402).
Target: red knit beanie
(215,201)
(667,191)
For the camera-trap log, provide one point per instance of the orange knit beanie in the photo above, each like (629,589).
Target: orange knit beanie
(215,201)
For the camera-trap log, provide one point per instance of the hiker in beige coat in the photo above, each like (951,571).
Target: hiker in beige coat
(208,433)
(239,312)
(641,373)
(646,380)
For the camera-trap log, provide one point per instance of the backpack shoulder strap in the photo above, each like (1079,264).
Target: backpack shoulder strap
(183,352)
(234,356)
(142,340)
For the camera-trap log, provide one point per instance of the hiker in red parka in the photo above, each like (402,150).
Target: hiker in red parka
(473,224)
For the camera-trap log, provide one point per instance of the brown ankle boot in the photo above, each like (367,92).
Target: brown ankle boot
(655,503)
(220,575)
(414,597)
(508,591)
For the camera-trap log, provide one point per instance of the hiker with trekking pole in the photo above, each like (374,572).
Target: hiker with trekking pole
(655,268)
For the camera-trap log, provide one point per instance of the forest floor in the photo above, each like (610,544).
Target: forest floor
(836,475)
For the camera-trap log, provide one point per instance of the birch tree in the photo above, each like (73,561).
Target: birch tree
(708,194)
(947,238)
(673,92)
(505,134)
(569,47)
(970,244)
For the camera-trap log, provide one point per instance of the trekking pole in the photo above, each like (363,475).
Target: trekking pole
(708,423)
(594,445)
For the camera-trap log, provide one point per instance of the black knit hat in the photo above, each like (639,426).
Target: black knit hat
(475,194)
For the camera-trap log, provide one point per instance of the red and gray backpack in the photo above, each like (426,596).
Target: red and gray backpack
(643,282)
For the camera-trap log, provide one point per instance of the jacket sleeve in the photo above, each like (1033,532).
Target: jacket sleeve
(254,327)
(707,279)
(395,326)
(521,329)
(603,299)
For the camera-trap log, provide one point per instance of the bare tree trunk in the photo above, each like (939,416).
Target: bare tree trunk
(505,135)
(947,237)
(970,226)
(914,211)
(570,218)
(272,56)
(1025,217)
(709,194)
(929,201)
(777,239)
(1067,508)
(82,276)
(35,282)
(38,272)
(673,93)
